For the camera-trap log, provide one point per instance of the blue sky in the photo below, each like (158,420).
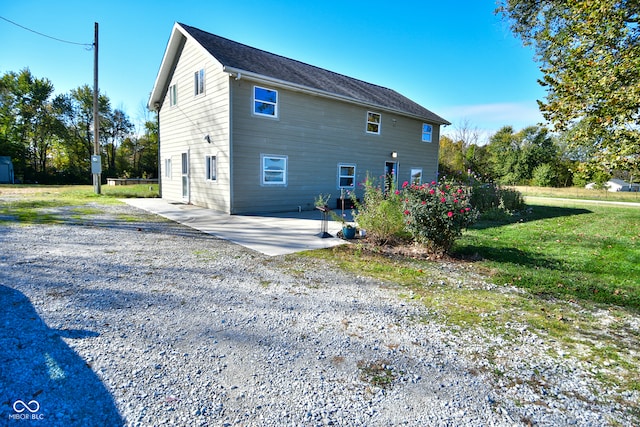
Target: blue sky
(455,58)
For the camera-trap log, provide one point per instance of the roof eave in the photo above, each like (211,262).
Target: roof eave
(249,75)
(159,87)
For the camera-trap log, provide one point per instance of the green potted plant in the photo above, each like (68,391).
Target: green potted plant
(321,203)
(348,230)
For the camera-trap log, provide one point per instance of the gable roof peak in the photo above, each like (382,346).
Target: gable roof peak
(250,60)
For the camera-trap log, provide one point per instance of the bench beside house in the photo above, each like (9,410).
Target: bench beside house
(243,130)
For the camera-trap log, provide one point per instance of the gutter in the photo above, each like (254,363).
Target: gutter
(238,74)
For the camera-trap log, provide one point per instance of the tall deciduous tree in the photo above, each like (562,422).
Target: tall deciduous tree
(451,160)
(515,155)
(117,128)
(589,51)
(82,104)
(29,118)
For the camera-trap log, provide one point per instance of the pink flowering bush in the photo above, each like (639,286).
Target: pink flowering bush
(436,213)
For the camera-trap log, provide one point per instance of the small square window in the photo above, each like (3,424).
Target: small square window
(199,82)
(373,122)
(274,170)
(416,176)
(173,95)
(265,102)
(210,163)
(427,131)
(346,176)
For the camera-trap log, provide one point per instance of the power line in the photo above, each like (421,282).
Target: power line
(87,45)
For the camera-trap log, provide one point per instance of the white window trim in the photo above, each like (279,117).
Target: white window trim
(167,168)
(197,77)
(423,133)
(379,123)
(211,174)
(282,183)
(275,104)
(173,95)
(340,176)
(411,175)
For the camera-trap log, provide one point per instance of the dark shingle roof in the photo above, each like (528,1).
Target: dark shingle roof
(239,56)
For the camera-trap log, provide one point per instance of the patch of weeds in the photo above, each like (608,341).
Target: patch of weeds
(204,255)
(377,373)
(129,218)
(297,272)
(80,212)
(337,360)
(265,283)
(28,212)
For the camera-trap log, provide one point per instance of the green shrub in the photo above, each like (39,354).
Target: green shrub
(436,213)
(490,197)
(543,175)
(511,200)
(380,213)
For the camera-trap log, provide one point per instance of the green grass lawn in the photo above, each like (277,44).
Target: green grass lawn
(37,203)
(572,252)
(579,193)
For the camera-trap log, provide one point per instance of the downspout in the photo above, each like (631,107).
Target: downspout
(230,142)
(157,110)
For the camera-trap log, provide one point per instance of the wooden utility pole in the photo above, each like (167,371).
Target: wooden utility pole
(96,160)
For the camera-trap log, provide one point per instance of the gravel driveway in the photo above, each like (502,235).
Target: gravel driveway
(124,318)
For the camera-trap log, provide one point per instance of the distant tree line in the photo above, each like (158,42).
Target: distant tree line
(531,156)
(50,138)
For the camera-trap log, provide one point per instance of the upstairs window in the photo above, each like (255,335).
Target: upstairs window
(199,82)
(173,95)
(373,122)
(346,176)
(427,130)
(265,102)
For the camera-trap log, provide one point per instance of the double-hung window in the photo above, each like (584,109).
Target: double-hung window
(173,95)
(210,163)
(265,102)
(274,170)
(373,122)
(416,176)
(346,176)
(427,131)
(198,82)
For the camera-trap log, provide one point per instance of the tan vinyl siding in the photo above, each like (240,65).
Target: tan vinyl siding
(183,127)
(317,134)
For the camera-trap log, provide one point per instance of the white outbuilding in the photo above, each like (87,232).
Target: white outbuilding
(612,185)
